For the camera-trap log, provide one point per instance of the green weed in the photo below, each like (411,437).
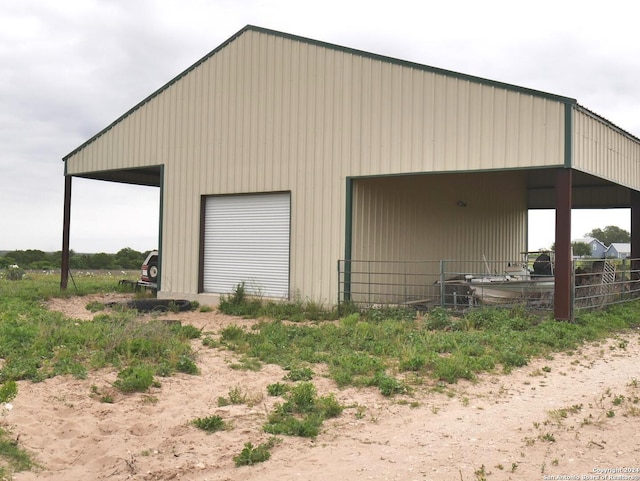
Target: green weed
(210,424)
(252,455)
(135,379)
(247,364)
(94,306)
(481,473)
(303,412)
(236,396)
(277,389)
(299,374)
(186,365)
(388,385)
(548,437)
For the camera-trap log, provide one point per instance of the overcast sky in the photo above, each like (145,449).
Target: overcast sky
(69,68)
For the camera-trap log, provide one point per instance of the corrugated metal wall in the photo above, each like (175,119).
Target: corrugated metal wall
(418,217)
(269,113)
(601,150)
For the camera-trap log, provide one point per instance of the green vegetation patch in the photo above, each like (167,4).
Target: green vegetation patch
(37,344)
(240,303)
(15,459)
(382,347)
(303,412)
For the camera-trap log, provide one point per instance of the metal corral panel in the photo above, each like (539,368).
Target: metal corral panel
(605,151)
(267,112)
(246,241)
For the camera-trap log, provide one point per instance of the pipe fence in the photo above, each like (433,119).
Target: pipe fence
(461,285)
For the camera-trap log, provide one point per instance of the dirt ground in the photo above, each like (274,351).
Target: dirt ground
(571,417)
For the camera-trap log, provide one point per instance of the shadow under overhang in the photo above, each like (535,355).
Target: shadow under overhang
(588,191)
(148,176)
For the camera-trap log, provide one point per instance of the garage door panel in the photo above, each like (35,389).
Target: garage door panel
(246,239)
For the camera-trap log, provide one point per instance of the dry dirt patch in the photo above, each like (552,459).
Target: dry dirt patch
(567,416)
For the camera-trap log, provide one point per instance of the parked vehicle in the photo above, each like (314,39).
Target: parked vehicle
(149,272)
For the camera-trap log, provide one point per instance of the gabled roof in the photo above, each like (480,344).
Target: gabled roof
(589,240)
(382,58)
(620,246)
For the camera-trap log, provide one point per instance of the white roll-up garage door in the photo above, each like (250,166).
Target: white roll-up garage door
(246,239)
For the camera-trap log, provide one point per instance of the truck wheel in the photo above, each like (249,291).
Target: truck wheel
(152,270)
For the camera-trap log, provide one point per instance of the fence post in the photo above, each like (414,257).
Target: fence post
(442,300)
(573,285)
(404,268)
(369,283)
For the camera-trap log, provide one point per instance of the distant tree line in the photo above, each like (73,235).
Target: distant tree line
(610,235)
(126,258)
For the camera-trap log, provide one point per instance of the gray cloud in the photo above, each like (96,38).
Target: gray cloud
(68,69)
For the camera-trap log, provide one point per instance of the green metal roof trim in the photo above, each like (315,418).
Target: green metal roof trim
(352,51)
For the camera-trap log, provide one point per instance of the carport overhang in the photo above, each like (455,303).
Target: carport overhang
(151,176)
(559,188)
(567,189)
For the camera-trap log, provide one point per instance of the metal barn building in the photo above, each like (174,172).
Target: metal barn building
(278,155)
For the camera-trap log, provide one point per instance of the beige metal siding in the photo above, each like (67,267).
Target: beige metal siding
(603,151)
(269,113)
(418,217)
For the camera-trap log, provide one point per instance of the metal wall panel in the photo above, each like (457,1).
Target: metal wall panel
(270,113)
(440,216)
(603,151)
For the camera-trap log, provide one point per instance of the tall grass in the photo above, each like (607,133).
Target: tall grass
(36,286)
(37,343)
